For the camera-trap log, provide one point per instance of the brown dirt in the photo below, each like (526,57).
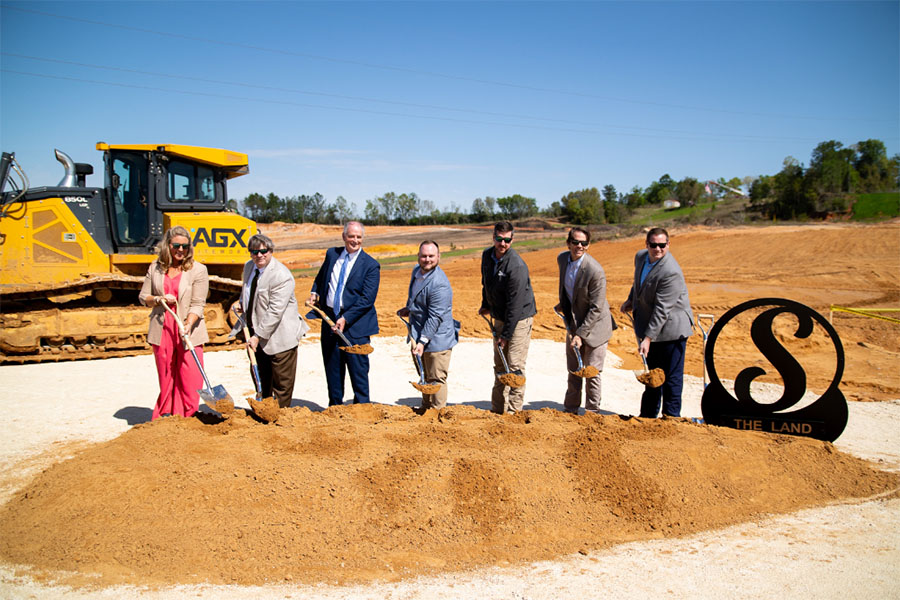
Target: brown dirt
(358,349)
(512,380)
(427,388)
(224,407)
(266,409)
(372,492)
(818,265)
(587,372)
(652,378)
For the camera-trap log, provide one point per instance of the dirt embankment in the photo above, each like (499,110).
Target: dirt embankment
(374,492)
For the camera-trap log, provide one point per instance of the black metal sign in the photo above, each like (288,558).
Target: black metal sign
(824,419)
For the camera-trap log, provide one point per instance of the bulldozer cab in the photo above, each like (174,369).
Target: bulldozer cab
(143,185)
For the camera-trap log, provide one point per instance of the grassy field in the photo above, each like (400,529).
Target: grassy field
(876,207)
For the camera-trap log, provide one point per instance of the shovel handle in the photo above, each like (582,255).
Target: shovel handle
(417,360)
(577,352)
(188,344)
(331,324)
(643,358)
(497,343)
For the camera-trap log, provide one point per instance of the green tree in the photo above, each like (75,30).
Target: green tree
(874,167)
(831,169)
(688,191)
(479,212)
(407,207)
(517,206)
(583,207)
(659,191)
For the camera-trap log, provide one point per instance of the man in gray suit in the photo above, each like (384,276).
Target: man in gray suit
(432,327)
(270,308)
(582,302)
(662,320)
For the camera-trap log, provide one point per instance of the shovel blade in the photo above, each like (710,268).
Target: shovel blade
(217,399)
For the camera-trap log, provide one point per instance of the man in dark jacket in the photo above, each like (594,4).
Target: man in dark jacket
(506,296)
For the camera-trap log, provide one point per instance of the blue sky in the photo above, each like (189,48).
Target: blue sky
(452,101)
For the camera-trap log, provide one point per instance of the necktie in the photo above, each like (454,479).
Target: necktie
(340,286)
(251,301)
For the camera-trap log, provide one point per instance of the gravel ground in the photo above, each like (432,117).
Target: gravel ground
(847,550)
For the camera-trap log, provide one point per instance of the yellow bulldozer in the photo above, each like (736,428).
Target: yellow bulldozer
(73,257)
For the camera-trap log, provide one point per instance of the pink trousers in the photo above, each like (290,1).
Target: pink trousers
(179,377)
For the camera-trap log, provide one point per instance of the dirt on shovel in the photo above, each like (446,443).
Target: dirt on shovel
(266,409)
(358,349)
(426,388)
(652,378)
(587,372)
(512,380)
(224,407)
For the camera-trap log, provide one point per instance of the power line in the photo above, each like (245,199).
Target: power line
(707,137)
(407,70)
(655,131)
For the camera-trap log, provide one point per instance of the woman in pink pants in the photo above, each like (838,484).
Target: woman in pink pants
(176,279)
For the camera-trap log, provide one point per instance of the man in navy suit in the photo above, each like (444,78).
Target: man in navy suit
(345,289)
(662,321)
(429,307)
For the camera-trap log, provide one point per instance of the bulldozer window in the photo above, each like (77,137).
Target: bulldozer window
(190,183)
(130,198)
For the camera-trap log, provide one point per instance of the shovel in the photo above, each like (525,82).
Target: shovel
(513,379)
(349,348)
(214,397)
(654,378)
(712,321)
(587,372)
(422,385)
(266,409)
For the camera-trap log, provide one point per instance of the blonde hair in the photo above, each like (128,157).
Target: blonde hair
(165,254)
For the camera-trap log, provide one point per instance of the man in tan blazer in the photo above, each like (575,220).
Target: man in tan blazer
(582,302)
(273,318)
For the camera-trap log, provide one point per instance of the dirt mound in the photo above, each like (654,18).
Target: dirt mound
(365,492)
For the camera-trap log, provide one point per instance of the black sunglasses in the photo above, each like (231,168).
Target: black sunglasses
(582,243)
(508,240)
(657,244)
(260,251)
(179,246)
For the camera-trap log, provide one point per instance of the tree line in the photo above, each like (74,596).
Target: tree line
(834,175)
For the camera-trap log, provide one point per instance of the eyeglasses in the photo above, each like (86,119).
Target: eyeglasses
(508,240)
(179,246)
(657,244)
(582,243)
(262,251)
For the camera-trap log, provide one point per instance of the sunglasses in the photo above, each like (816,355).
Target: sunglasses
(179,246)
(262,251)
(582,243)
(657,244)
(508,240)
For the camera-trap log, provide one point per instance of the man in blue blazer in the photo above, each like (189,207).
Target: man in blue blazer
(432,327)
(345,289)
(662,320)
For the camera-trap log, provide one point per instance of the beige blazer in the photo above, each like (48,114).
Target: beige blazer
(276,315)
(587,315)
(192,291)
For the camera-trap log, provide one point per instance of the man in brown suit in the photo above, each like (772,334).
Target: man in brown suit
(582,302)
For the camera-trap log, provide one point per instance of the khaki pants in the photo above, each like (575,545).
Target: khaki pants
(506,399)
(590,355)
(437,365)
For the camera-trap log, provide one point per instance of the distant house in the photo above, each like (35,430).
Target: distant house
(671,203)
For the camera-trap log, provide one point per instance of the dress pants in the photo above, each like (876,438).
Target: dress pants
(437,365)
(590,355)
(337,363)
(505,399)
(277,373)
(668,356)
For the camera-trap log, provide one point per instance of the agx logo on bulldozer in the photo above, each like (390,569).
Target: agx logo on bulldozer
(220,237)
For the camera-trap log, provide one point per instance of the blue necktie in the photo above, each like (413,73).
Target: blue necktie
(340,286)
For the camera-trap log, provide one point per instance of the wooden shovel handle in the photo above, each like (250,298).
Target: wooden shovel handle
(184,335)
(331,324)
